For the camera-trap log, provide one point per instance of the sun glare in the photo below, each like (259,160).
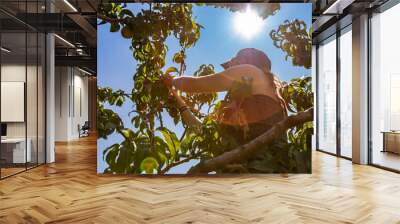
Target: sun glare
(248,23)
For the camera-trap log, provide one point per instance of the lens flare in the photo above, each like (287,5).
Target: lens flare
(248,23)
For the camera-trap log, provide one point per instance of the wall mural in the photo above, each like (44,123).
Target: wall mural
(198,89)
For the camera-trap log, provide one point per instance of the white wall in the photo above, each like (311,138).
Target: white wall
(80,110)
(62,81)
(13,101)
(33,126)
(17,73)
(71,102)
(14,73)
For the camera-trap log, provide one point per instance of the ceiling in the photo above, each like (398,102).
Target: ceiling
(74,22)
(330,15)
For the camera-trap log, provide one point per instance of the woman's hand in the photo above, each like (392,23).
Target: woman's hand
(167,80)
(178,97)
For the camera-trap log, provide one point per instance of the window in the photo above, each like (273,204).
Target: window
(346,92)
(385,89)
(22,77)
(314,84)
(327,95)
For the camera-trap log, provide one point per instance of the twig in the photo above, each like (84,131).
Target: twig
(160,119)
(169,166)
(110,20)
(183,135)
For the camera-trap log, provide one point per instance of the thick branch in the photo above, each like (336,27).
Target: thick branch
(247,150)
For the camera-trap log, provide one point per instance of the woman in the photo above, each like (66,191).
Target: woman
(252,104)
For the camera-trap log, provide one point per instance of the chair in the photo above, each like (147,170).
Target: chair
(84,130)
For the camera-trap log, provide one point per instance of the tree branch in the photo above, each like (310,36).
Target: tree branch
(183,135)
(160,119)
(169,166)
(110,20)
(251,148)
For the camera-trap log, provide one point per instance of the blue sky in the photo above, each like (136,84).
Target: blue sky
(218,43)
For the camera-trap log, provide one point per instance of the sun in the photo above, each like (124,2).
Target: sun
(248,23)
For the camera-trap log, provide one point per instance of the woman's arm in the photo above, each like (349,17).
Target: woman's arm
(188,117)
(214,83)
(204,84)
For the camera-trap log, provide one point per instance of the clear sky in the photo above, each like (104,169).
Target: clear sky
(218,43)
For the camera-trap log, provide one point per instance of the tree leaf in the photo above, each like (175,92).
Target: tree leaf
(171,140)
(114,27)
(127,133)
(170,70)
(125,12)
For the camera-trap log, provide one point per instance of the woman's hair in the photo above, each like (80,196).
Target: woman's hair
(255,57)
(250,56)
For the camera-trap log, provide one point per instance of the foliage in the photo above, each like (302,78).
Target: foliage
(263,9)
(298,94)
(295,40)
(107,120)
(150,147)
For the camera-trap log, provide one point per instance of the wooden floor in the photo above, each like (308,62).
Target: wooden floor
(387,159)
(10,171)
(70,191)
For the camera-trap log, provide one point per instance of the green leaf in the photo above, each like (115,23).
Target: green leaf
(114,27)
(170,70)
(102,22)
(148,165)
(187,142)
(119,101)
(111,149)
(171,140)
(125,12)
(127,133)
(125,158)
(162,158)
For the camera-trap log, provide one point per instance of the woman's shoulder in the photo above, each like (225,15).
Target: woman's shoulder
(245,70)
(245,67)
